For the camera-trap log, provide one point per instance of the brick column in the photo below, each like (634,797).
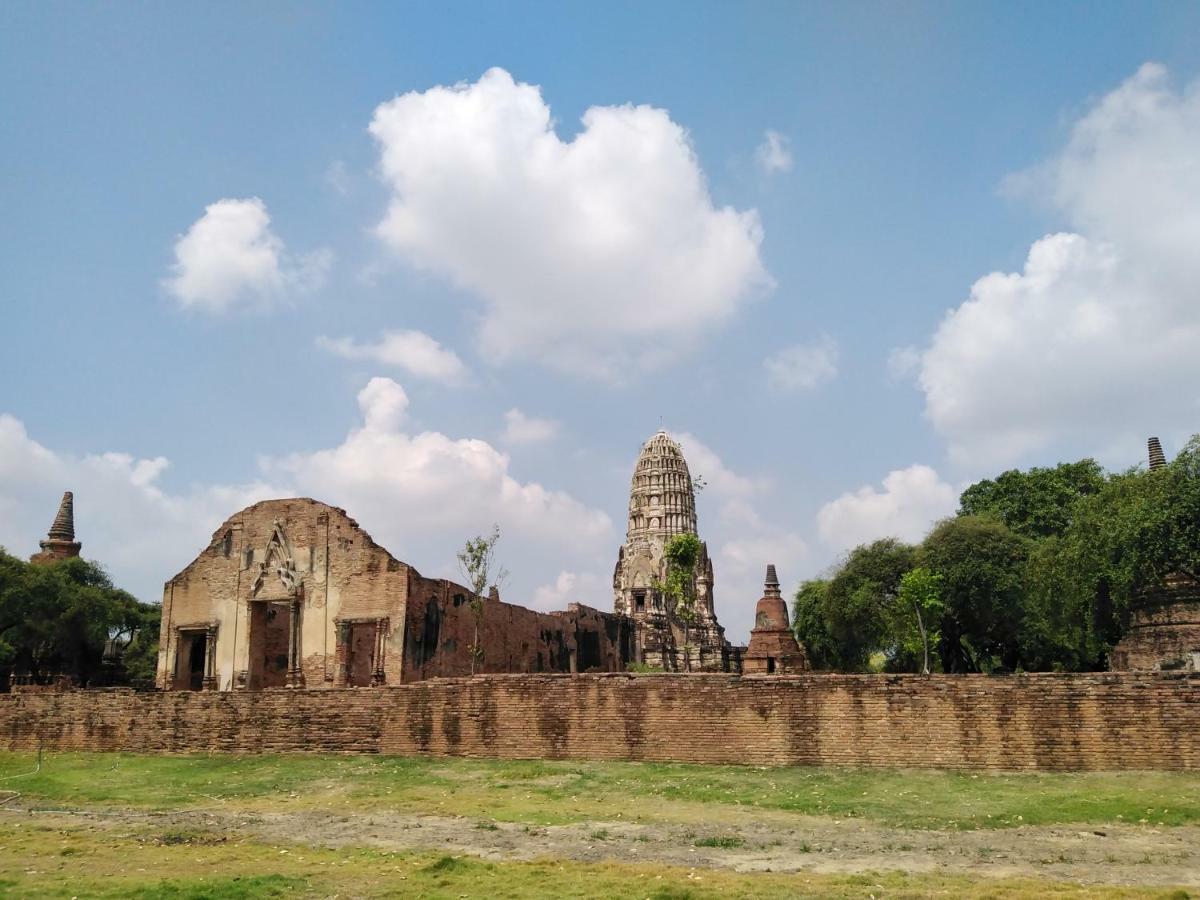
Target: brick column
(295,676)
(381,628)
(210,659)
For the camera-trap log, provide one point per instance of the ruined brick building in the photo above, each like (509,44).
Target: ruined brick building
(662,504)
(1164,629)
(293,593)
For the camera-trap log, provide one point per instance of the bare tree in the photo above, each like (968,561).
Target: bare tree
(477,560)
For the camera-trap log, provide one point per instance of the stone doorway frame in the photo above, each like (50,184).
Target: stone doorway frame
(343,628)
(295,673)
(181,681)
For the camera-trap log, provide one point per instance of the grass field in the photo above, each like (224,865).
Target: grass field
(109,825)
(551,792)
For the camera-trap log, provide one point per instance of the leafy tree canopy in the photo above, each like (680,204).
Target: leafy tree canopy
(57,619)
(1038,571)
(1036,503)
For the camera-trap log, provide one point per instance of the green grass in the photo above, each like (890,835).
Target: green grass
(725,842)
(554,792)
(108,864)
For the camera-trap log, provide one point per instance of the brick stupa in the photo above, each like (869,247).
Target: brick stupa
(1164,627)
(60,543)
(773,648)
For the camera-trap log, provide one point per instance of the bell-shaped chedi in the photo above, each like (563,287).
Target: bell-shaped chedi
(60,542)
(773,648)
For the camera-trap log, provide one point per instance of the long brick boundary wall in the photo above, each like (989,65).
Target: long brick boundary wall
(1059,722)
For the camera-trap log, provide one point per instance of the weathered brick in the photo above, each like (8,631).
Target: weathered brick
(1044,721)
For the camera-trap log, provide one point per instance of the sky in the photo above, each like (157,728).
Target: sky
(450,265)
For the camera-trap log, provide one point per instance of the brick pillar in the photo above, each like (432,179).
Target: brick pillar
(381,628)
(210,659)
(295,677)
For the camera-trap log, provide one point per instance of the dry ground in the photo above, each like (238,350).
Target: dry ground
(585,829)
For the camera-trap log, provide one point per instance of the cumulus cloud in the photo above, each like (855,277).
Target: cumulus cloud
(432,481)
(745,560)
(716,477)
(421,495)
(595,256)
(230,256)
(141,532)
(412,351)
(1093,342)
(774,154)
(740,556)
(522,429)
(574,587)
(803,367)
(903,363)
(910,502)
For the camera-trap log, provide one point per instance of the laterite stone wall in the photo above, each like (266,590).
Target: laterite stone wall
(1059,722)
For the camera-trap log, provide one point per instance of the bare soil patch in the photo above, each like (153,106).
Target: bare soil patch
(774,842)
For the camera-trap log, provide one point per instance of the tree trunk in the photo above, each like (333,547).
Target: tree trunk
(924,638)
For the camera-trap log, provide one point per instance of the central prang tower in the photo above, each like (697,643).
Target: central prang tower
(662,504)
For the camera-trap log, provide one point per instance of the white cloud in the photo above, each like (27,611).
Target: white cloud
(911,501)
(421,495)
(774,154)
(231,256)
(413,351)
(740,564)
(412,487)
(744,561)
(903,363)
(718,479)
(1094,341)
(803,367)
(594,256)
(574,587)
(142,533)
(522,429)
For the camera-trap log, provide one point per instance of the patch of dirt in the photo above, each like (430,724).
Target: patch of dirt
(1108,854)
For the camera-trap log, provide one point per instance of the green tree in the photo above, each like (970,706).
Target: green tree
(1036,503)
(981,563)
(681,553)
(858,602)
(919,603)
(56,619)
(811,625)
(1123,541)
(477,560)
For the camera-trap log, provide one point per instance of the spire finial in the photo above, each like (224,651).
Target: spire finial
(771,583)
(1158,459)
(63,528)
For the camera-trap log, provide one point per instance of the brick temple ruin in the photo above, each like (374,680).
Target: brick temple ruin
(662,504)
(293,593)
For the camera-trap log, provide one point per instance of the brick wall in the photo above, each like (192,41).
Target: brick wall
(1094,721)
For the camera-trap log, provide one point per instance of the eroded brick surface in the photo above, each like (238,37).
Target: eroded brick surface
(1052,722)
(294,593)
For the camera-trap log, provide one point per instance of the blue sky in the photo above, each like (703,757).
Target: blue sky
(204,242)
